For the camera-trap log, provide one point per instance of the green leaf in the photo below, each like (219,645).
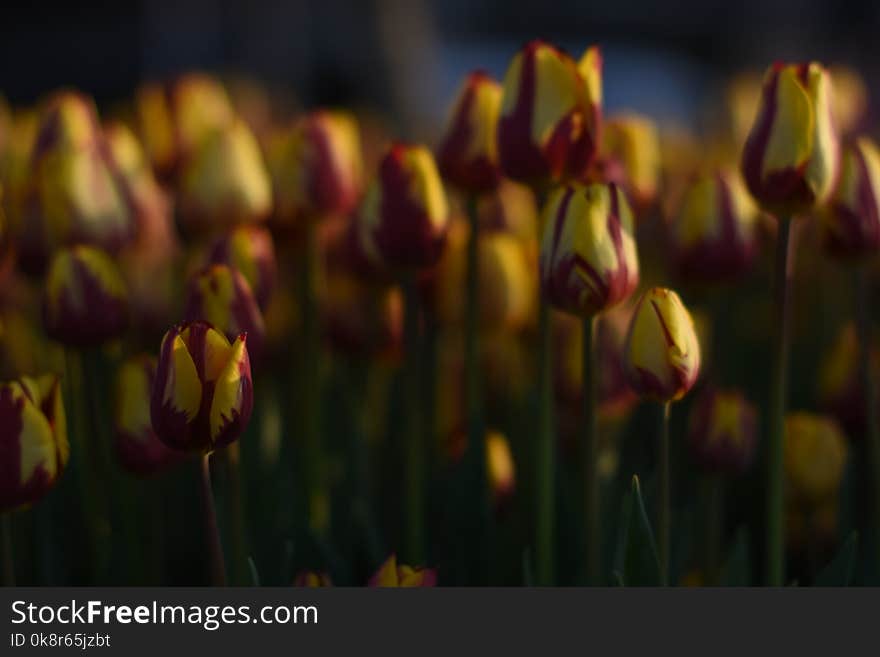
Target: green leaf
(839,571)
(737,570)
(641,565)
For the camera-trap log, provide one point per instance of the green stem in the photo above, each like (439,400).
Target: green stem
(775,552)
(714,490)
(590,454)
(414,466)
(8,561)
(545,524)
(663,510)
(215,547)
(240,571)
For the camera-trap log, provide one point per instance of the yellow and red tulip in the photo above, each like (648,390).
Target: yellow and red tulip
(815,457)
(312,580)
(849,103)
(851,223)
(203,395)
(840,390)
(632,140)
(662,354)
(138,449)
(250,250)
(85,301)
(405,215)
(468,152)
(549,125)
(394,575)
(722,432)
(791,156)
(715,236)
(588,252)
(33,439)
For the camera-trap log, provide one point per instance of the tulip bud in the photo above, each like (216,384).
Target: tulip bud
(722,432)
(138,449)
(815,457)
(468,153)
(588,252)
(318,170)
(33,439)
(203,395)
(250,250)
(632,140)
(661,354)
(849,102)
(840,389)
(222,297)
(851,224)
(225,182)
(790,160)
(390,574)
(405,217)
(500,467)
(548,129)
(715,235)
(85,301)
(312,580)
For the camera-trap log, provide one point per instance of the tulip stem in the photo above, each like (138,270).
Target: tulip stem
(663,510)
(545,524)
(775,553)
(590,453)
(215,547)
(8,562)
(414,467)
(714,500)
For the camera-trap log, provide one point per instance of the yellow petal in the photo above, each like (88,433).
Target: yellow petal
(793,130)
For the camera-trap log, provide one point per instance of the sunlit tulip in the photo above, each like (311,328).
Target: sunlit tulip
(548,129)
(849,102)
(468,153)
(500,467)
(790,160)
(405,215)
(33,439)
(588,252)
(250,250)
(840,390)
(815,456)
(222,297)
(225,182)
(661,354)
(312,580)
(633,141)
(390,574)
(203,395)
(318,168)
(715,236)
(722,432)
(851,222)
(138,449)
(85,301)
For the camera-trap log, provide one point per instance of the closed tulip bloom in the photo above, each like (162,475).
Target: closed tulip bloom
(312,580)
(221,296)
(548,129)
(33,439)
(250,250)
(661,354)
(391,574)
(85,301)
(405,215)
(138,449)
(840,390)
(468,152)
(500,467)
(815,456)
(851,222)
(225,182)
(588,252)
(318,170)
(849,102)
(722,432)
(633,141)
(202,396)
(790,160)
(715,236)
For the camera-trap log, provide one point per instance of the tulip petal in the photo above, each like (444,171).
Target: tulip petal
(233,395)
(790,143)
(183,389)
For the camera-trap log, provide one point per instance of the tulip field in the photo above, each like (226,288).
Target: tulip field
(554,346)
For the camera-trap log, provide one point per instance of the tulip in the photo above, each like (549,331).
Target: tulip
(549,124)
(815,457)
(250,250)
(390,574)
(851,224)
(840,388)
(790,159)
(85,301)
(500,467)
(33,439)
(202,396)
(468,152)
(510,208)
(225,182)
(633,141)
(715,235)
(222,297)
(312,580)
(722,432)
(138,449)
(15,165)
(588,254)
(849,102)
(405,216)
